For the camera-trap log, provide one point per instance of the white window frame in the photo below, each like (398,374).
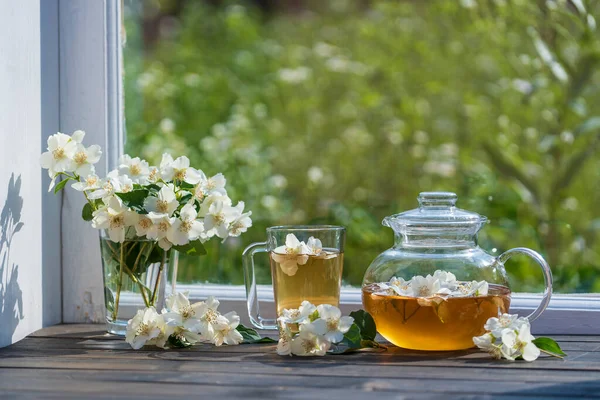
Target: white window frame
(91,98)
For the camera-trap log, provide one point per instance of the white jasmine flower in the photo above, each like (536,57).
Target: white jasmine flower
(165,202)
(229,334)
(297,315)
(91,182)
(506,321)
(291,316)
(165,244)
(161,226)
(473,288)
(208,186)
(219,217)
(78,136)
(284,345)
(153,175)
(210,199)
(136,169)
(125,184)
(186,335)
(143,225)
(180,170)
(115,218)
(307,343)
(486,342)
(146,327)
(447,279)
(331,323)
(315,248)
(307,308)
(519,343)
(240,224)
(84,159)
(401,287)
(166,160)
(114,183)
(58,158)
(211,320)
(180,312)
(291,255)
(185,228)
(314,245)
(425,286)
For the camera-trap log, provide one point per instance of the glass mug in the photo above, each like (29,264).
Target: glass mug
(308,273)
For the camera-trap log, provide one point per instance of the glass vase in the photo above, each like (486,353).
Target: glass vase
(135,277)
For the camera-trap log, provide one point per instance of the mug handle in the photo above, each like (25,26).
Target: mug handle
(502,258)
(251,291)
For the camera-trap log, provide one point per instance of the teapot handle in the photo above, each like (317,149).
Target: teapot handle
(251,290)
(502,258)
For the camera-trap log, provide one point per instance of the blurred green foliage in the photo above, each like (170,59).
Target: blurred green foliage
(342,113)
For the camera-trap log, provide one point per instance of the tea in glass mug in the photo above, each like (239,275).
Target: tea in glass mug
(306,264)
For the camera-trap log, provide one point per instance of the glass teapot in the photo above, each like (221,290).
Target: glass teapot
(436,288)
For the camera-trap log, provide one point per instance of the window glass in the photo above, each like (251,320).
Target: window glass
(341,112)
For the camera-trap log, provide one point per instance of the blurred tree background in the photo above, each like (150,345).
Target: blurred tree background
(342,111)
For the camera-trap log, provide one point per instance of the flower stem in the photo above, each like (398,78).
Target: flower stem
(137,259)
(119,284)
(160,270)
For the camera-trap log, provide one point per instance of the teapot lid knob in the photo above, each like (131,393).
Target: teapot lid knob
(437,199)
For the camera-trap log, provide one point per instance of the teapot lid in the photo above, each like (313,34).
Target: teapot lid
(437,212)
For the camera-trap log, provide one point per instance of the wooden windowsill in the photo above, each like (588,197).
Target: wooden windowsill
(82,361)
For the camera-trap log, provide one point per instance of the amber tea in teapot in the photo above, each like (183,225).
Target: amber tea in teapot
(416,322)
(436,288)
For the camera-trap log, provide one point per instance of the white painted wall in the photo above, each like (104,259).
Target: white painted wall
(83,105)
(29,218)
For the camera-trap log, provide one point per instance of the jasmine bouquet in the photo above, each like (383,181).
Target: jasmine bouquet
(143,212)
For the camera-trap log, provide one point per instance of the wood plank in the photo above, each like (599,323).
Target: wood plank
(270,363)
(120,344)
(81,361)
(394,373)
(51,380)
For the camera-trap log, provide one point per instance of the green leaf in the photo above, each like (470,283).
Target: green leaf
(251,336)
(195,248)
(135,198)
(86,212)
(549,346)
(185,198)
(352,338)
(178,342)
(365,323)
(185,185)
(152,188)
(265,339)
(61,185)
